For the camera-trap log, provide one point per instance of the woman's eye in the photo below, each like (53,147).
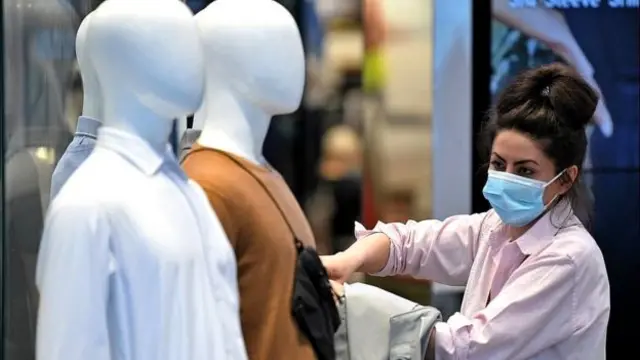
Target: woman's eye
(497,165)
(525,172)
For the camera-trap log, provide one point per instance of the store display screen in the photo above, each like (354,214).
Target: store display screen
(598,38)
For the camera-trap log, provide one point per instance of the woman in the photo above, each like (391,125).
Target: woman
(536,284)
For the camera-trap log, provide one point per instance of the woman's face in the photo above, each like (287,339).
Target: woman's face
(517,153)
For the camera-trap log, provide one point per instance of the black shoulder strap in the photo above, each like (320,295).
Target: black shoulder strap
(297,242)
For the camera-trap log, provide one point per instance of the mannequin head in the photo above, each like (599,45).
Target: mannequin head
(92,99)
(254,63)
(149,61)
(253,47)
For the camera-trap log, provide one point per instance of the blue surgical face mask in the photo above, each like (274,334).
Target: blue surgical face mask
(517,200)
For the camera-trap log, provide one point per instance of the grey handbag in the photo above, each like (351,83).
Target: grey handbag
(379,325)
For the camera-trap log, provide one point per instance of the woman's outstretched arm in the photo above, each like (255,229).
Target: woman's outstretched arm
(441,251)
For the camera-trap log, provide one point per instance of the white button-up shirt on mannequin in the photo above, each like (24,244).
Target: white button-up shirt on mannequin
(134,265)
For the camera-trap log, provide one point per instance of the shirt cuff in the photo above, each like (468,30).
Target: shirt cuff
(452,338)
(361,233)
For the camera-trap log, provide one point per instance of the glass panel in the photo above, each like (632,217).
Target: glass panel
(43,97)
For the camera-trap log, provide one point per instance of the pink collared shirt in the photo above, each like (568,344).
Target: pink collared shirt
(549,289)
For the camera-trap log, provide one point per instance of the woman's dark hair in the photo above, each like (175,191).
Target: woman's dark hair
(553,105)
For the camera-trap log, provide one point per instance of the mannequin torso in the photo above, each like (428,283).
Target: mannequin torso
(254,69)
(88,124)
(133,263)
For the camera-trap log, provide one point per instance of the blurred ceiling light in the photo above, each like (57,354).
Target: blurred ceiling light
(45,154)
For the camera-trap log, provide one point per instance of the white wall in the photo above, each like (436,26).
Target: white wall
(451,121)
(452,101)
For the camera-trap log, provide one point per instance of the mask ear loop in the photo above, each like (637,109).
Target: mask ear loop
(547,206)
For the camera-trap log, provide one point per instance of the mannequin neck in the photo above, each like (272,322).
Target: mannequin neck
(91,106)
(136,119)
(233,125)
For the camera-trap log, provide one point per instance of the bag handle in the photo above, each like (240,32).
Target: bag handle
(296,241)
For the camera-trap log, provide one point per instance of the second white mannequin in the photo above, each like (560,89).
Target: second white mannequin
(254,66)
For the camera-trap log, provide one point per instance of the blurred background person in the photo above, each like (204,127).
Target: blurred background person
(336,203)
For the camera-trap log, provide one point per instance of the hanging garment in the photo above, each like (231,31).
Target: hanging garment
(76,153)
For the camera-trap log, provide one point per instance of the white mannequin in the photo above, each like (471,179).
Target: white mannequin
(92,98)
(254,70)
(254,63)
(133,263)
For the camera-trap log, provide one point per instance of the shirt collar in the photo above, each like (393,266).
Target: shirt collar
(88,126)
(543,231)
(138,152)
(189,138)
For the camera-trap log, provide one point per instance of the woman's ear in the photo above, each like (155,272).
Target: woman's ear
(569,178)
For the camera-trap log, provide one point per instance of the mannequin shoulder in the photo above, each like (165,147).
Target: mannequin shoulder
(215,172)
(219,178)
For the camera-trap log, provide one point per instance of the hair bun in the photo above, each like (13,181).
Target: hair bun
(571,98)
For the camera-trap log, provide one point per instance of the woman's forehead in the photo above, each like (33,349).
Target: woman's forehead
(515,146)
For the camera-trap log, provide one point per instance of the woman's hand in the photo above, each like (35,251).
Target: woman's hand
(338,290)
(341,265)
(369,255)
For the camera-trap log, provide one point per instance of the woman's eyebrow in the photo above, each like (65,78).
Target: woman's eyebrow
(497,155)
(525,161)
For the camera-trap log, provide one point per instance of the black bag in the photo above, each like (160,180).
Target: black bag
(313,303)
(314,306)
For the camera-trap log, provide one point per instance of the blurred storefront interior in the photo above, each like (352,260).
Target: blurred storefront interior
(361,137)
(395,89)
(371,76)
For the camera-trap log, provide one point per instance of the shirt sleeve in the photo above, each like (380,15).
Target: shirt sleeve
(441,251)
(533,312)
(56,181)
(72,275)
